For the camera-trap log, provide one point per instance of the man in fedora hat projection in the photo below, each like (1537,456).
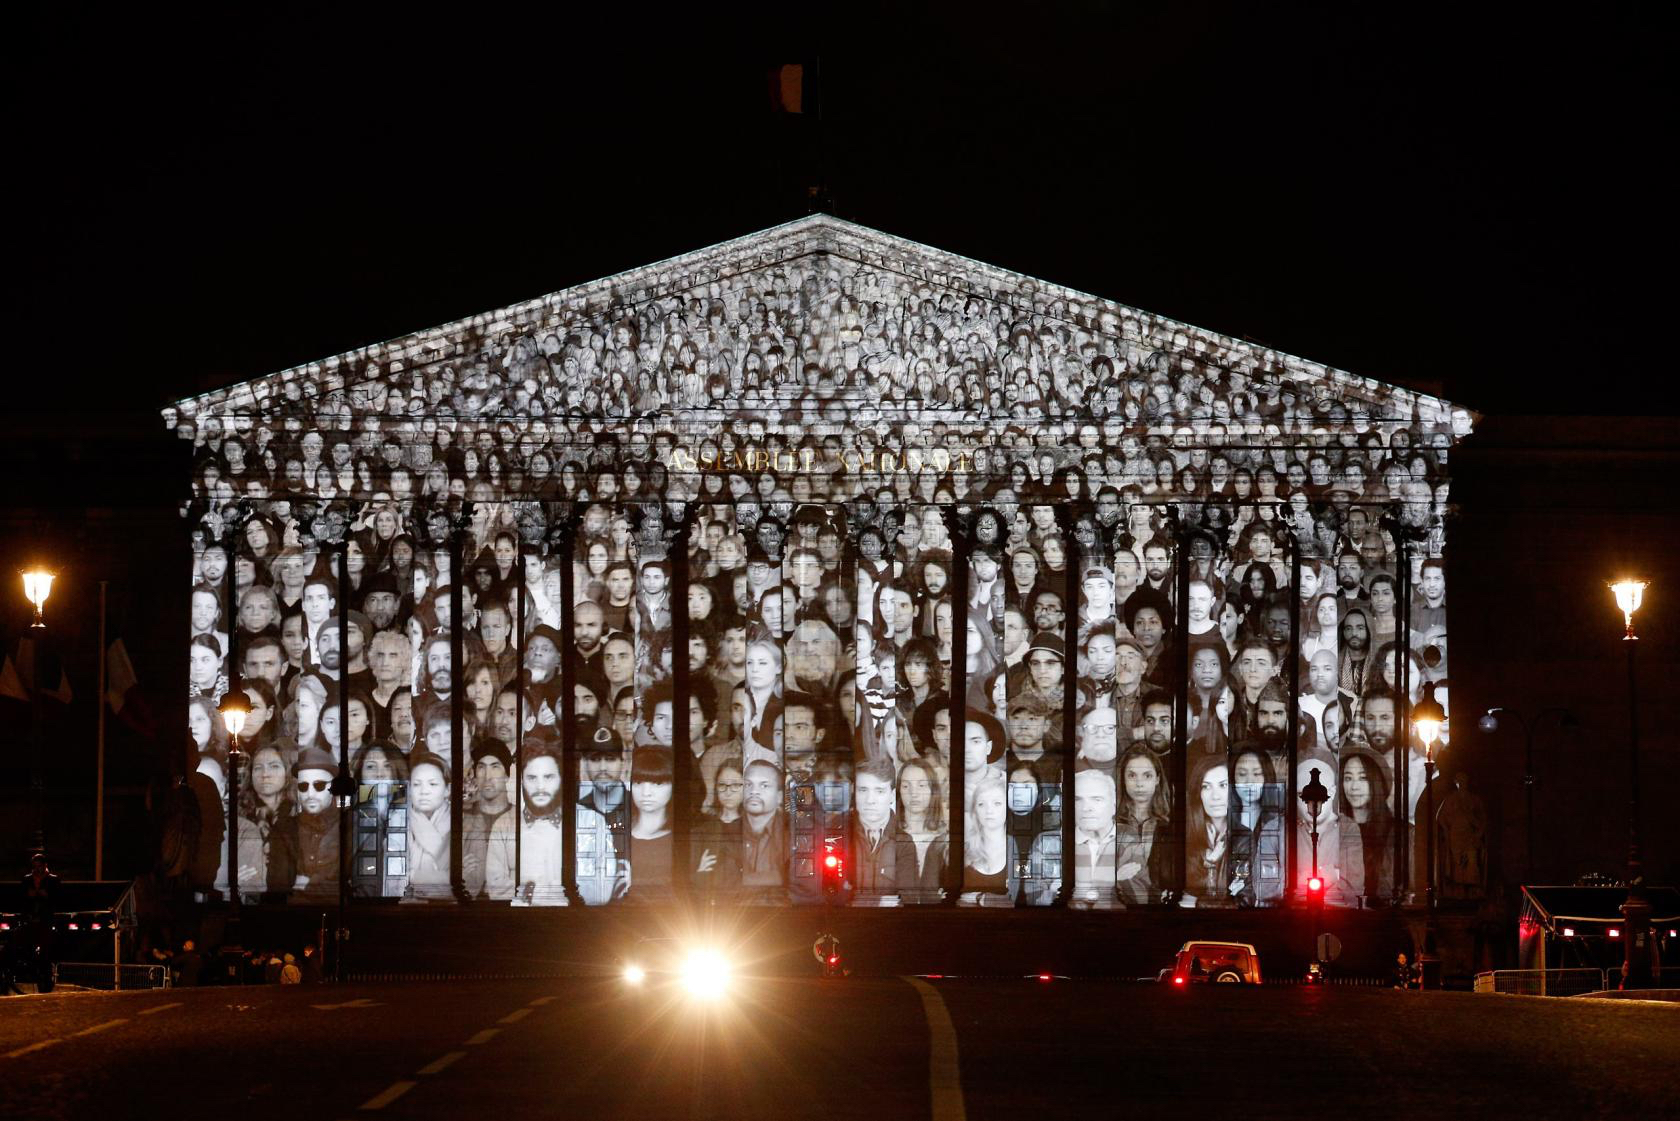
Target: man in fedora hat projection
(303,849)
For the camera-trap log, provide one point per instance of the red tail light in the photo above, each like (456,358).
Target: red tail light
(1178,980)
(1044,976)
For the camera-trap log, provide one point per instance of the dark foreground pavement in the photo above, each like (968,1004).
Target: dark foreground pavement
(876,1049)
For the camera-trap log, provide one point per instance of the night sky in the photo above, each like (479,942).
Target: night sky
(1467,205)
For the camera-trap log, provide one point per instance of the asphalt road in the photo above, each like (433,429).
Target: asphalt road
(880,1049)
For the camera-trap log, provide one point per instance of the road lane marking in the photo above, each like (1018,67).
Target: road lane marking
(484,1036)
(444,1063)
(40,1046)
(515,1016)
(944,1074)
(359,1002)
(540,1001)
(99,1027)
(160,1008)
(388,1095)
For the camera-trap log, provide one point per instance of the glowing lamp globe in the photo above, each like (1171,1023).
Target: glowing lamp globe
(1427,717)
(37,586)
(1629,595)
(234,713)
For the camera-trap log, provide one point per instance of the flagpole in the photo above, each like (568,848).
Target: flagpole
(99,798)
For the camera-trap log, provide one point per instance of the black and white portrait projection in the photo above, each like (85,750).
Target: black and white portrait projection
(818,542)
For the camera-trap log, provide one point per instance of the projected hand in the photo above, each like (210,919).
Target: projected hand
(708,861)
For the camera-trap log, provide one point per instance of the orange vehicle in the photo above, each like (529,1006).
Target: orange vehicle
(1228,963)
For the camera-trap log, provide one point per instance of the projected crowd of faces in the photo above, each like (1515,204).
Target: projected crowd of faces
(820,611)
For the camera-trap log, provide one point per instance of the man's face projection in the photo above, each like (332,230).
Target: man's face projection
(1093,804)
(874,801)
(1099,735)
(1047,612)
(437,666)
(618,663)
(1356,634)
(1321,673)
(380,607)
(264,662)
(317,604)
(541,783)
(1379,721)
(1200,602)
(314,790)
(1254,668)
(541,657)
(762,795)
(1157,727)
(1045,670)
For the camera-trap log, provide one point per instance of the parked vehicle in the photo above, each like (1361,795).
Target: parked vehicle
(1226,963)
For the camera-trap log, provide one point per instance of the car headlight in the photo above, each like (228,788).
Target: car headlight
(705,974)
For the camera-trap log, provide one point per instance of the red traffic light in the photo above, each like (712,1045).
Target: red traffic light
(832,861)
(834,959)
(1315,885)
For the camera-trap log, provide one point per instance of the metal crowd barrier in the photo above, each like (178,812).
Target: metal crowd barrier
(1542,982)
(107,975)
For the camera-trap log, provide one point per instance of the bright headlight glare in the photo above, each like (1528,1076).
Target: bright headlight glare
(634,974)
(705,974)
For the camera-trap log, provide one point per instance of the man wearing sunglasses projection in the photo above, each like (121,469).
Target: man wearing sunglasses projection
(303,849)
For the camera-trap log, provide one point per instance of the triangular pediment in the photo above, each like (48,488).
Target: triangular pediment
(824,323)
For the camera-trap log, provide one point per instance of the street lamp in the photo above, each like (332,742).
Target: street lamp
(1489,724)
(1314,795)
(1636,909)
(37,586)
(1427,717)
(235,710)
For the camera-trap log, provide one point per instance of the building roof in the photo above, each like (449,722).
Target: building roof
(818,267)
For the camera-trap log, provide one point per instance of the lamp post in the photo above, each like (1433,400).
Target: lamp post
(1489,723)
(234,711)
(1313,796)
(1427,718)
(1636,910)
(37,586)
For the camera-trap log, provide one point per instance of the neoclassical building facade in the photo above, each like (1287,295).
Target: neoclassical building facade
(820,542)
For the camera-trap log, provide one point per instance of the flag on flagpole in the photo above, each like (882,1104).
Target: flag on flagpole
(11,685)
(119,676)
(123,692)
(17,675)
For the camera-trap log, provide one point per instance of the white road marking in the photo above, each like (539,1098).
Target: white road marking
(515,1016)
(99,1027)
(160,1008)
(41,1046)
(484,1036)
(944,1074)
(359,1002)
(444,1063)
(388,1095)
